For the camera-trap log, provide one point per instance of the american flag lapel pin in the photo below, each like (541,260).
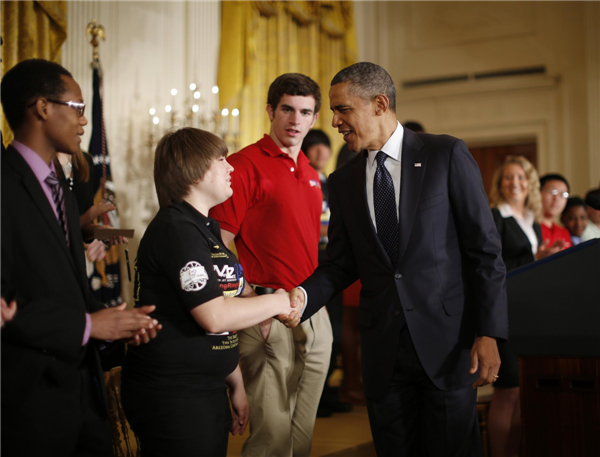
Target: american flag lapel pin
(417,164)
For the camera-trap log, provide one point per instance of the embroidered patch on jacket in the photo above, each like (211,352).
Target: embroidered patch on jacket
(193,277)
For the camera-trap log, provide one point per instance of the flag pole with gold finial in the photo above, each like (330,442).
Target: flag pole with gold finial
(96,31)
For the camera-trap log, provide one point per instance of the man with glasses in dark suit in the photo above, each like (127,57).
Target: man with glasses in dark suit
(53,399)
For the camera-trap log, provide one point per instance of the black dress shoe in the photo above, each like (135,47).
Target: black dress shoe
(341,407)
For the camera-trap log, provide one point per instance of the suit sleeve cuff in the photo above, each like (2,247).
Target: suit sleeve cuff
(305,299)
(88,329)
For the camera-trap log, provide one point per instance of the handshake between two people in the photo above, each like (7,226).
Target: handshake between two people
(136,326)
(292,304)
(297,300)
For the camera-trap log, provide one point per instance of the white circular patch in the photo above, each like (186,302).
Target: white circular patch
(193,277)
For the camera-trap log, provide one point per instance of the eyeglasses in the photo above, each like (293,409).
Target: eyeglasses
(80,107)
(555,193)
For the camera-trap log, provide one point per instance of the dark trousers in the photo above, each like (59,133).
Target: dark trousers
(415,418)
(188,426)
(53,420)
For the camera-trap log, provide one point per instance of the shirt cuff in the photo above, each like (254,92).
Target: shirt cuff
(305,299)
(88,329)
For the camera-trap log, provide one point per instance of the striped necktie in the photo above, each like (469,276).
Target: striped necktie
(59,202)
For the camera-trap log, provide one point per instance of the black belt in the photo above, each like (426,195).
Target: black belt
(260,290)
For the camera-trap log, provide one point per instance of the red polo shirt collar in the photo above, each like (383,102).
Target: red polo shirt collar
(270,147)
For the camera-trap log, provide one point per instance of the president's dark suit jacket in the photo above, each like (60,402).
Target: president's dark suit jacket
(450,278)
(43,342)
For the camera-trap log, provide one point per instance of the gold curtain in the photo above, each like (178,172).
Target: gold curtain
(260,40)
(31,30)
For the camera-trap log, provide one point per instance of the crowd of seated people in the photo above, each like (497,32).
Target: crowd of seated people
(526,209)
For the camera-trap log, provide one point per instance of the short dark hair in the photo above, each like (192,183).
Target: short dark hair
(314,137)
(367,81)
(182,158)
(573,202)
(344,156)
(592,199)
(553,177)
(414,126)
(293,84)
(27,81)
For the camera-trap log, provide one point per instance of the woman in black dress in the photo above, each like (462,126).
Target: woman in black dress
(175,389)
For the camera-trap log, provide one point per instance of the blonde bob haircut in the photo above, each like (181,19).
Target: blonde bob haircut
(182,159)
(533,201)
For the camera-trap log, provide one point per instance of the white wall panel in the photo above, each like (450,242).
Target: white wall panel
(150,48)
(560,109)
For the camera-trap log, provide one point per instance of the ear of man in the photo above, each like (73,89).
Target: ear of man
(382,104)
(42,108)
(270,112)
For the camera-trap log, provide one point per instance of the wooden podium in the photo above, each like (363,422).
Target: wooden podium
(554,327)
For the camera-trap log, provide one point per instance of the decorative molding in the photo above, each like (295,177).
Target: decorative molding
(431,40)
(438,24)
(494,111)
(473,87)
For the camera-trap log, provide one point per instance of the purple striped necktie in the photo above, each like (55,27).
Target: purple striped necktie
(59,201)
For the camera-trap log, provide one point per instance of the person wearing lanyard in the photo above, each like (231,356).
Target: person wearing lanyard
(174,393)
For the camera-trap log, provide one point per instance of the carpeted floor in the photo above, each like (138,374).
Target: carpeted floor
(341,435)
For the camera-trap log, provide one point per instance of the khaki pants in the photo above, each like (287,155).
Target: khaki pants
(284,378)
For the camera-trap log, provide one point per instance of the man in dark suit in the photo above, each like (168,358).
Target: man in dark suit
(53,400)
(410,219)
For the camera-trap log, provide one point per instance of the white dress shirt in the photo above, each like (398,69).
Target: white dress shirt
(393,149)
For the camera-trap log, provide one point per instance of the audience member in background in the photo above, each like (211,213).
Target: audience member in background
(53,399)
(344,156)
(517,211)
(574,218)
(592,201)
(77,172)
(555,191)
(317,147)
(174,390)
(414,126)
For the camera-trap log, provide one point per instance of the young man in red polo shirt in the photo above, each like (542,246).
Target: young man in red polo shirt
(274,218)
